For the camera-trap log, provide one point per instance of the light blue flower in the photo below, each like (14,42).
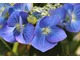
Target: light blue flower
(47,33)
(17,28)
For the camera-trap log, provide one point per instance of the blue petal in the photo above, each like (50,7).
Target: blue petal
(77,11)
(49,21)
(6,33)
(51,11)
(24,16)
(73,26)
(42,44)
(14,18)
(23,6)
(44,21)
(37,30)
(10,10)
(56,35)
(68,7)
(19,6)
(60,12)
(27,35)
(21,39)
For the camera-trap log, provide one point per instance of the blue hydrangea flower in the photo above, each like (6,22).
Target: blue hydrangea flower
(17,28)
(72,21)
(47,34)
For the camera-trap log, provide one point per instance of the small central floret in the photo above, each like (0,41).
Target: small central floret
(46,30)
(73,17)
(18,26)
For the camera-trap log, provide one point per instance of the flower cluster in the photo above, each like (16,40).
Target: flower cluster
(42,32)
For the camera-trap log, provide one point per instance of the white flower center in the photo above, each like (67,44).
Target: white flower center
(46,30)
(18,27)
(73,17)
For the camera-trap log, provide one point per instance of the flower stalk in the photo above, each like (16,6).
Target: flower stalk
(15,48)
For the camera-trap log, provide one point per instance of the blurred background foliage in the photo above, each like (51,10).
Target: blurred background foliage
(68,47)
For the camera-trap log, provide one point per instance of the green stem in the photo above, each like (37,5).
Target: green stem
(15,48)
(67,50)
(5,44)
(62,49)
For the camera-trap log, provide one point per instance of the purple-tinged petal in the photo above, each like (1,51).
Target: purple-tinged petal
(28,32)
(14,18)
(38,30)
(7,34)
(77,11)
(60,12)
(44,21)
(51,12)
(56,35)
(10,10)
(24,16)
(49,21)
(42,44)
(68,7)
(27,35)
(21,39)
(23,6)
(19,6)
(73,26)
(54,20)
